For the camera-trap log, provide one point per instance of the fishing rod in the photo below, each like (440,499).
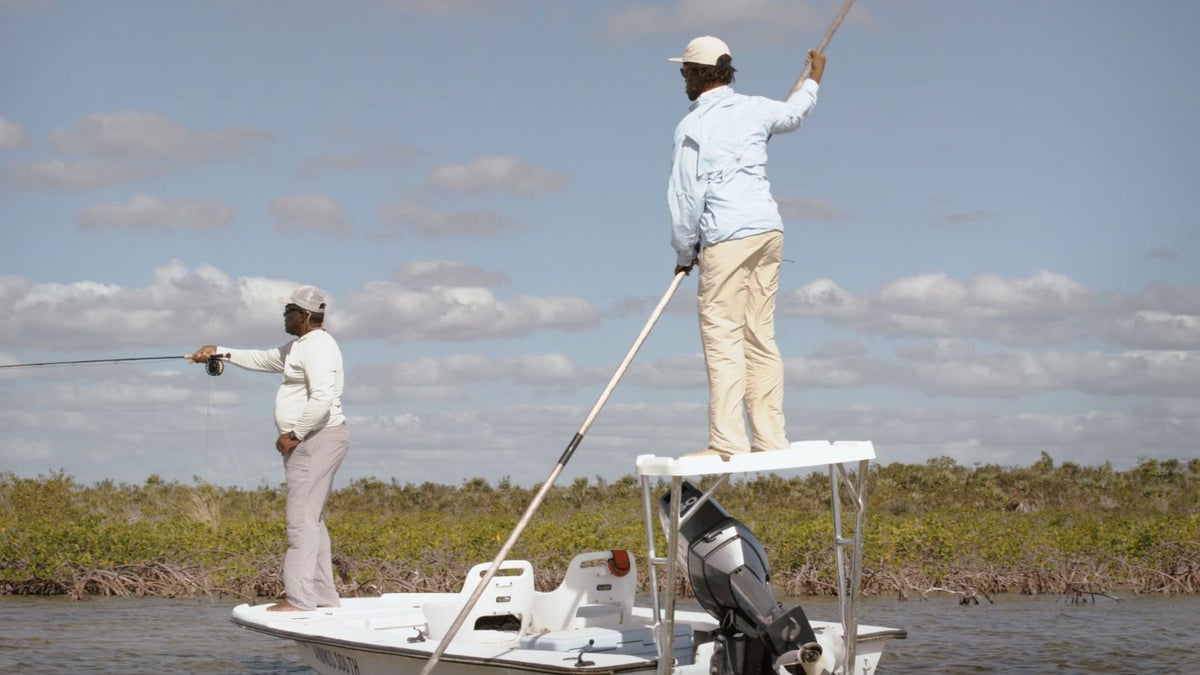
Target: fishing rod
(214,366)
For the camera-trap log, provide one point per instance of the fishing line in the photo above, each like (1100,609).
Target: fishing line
(207,417)
(224,427)
(246,496)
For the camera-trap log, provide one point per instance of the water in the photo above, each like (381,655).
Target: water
(1141,634)
(1149,635)
(135,636)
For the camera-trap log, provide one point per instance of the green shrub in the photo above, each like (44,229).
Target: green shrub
(986,526)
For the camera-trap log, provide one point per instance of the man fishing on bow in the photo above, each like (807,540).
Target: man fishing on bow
(313,440)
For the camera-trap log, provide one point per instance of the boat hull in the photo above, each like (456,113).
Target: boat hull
(374,636)
(591,624)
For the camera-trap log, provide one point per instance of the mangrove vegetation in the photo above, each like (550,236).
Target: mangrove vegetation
(937,527)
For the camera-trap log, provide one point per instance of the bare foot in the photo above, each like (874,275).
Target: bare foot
(284,606)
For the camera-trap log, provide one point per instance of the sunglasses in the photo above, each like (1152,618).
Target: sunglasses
(291,308)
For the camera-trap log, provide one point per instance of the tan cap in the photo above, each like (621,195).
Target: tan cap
(704,50)
(308,298)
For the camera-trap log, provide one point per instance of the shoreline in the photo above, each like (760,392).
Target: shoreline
(1080,581)
(938,527)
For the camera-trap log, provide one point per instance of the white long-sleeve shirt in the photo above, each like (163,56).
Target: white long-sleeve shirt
(718,188)
(310,396)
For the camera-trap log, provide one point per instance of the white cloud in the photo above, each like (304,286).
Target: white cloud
(39,451)
(1045,307)
(409,216)
(133,420)
(670,372)
(1159,373)
(527,435)
(149,213)
(442,273)
(1162,253)
(138,135)
(1165,297)
(116,393)
(993,375)
(57,174)
(12,135)
(820,298)
(948,367)
(962,217)
(118,147)
(840,371)
(399,312)
(133,416)
(498,175)
(454,376)
(1154,329)
(810,209)
(839,349)
(986,296)
(1161,316)
(940,369)
(180,306)
(308,212)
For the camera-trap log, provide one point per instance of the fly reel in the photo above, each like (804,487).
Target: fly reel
(215,364)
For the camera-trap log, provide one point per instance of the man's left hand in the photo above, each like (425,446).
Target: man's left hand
(285,444)
(686,269)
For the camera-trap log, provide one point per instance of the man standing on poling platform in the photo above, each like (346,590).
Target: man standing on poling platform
(725,220)
(313,440)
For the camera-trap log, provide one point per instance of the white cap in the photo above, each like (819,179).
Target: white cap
(704,50)
(309,298)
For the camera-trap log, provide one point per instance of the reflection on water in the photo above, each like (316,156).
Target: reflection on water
(1014,635)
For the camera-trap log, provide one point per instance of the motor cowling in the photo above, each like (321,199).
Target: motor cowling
(728,570)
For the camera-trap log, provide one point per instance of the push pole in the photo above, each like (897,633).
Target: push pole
(549,483)
(833,26)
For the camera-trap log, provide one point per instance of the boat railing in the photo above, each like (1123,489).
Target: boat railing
(839,458)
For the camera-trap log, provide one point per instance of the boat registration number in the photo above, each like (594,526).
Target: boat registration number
(335,659)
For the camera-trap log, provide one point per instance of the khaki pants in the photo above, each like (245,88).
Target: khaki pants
(308,565)
(736,301)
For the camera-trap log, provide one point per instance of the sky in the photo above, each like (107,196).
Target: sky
(992,244)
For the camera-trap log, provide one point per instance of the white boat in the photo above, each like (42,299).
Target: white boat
(591,623)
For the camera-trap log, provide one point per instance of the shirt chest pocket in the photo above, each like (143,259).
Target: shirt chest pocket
(293,372)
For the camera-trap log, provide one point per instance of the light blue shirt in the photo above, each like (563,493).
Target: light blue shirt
(718,188)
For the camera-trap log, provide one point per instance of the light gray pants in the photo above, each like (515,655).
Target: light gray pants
(307,565)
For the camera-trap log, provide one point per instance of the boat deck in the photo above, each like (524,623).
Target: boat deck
(799,455)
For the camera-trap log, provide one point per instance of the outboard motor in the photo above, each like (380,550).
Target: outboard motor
(728,571)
